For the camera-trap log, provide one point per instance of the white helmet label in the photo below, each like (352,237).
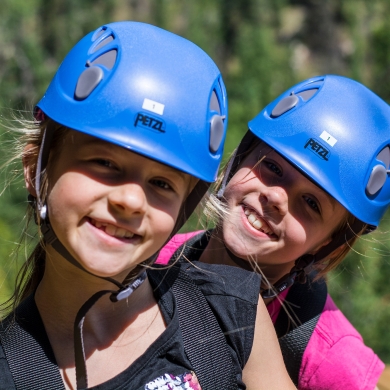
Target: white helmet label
(153,106)
(328,138)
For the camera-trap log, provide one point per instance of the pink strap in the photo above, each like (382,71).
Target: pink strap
(176,242)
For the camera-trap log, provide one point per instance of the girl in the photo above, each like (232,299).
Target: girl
(112,172)
(308,178)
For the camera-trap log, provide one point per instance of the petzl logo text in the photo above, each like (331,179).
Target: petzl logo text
(318,149)
(149,122)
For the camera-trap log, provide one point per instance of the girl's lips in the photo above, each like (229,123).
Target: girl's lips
(257,222)
(112,230)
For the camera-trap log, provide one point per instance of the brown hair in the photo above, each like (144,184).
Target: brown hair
(337,256)
(32,269)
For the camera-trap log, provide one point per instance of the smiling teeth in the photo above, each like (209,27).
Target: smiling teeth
(257,223)
(112,230)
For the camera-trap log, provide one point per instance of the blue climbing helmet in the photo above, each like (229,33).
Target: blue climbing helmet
(337,132)
(147,90)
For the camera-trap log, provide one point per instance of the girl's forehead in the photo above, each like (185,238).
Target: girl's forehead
(263,151)
(85,143)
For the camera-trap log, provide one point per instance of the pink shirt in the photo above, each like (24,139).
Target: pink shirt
(335,357)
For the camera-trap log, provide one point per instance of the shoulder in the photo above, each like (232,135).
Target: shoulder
(336,346)
(231,293)
(216,279)
(215,282)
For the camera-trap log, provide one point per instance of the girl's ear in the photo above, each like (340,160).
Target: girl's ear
(29,164)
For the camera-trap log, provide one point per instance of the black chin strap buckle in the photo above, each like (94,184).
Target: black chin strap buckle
(282,284)
(298,273)
(126,291)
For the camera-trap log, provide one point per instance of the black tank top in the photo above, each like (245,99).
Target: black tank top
(232,294)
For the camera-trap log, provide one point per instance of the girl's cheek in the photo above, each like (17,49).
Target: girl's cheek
(295,233)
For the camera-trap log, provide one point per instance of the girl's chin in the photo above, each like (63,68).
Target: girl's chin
(107,269)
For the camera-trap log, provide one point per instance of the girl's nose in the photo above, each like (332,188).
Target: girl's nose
(275,198)
(128,198)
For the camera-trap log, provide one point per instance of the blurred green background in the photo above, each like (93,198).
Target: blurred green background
(262,47)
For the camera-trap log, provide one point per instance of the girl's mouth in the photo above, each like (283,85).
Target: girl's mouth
(258,223)
(112,230)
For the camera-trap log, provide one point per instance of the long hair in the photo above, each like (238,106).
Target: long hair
(30,133)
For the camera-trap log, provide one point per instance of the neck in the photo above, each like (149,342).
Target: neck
(217,252)
(64,289)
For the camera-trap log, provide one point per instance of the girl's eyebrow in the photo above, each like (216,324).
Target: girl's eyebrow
(91,141)
(97,142)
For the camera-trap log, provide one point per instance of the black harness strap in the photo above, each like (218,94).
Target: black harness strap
(28,351)
(33,365)
(304,303)
(203,339)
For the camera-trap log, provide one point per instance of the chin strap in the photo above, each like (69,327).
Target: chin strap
(235,160)
(303,266)
(298,273)
(79,350)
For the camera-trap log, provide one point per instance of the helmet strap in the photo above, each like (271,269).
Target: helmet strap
(81,367)
(298,273)
(303,265)
(235,161)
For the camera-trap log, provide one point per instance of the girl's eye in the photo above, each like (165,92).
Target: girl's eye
(312,203)
(103,162)
(273,167)
(161,184)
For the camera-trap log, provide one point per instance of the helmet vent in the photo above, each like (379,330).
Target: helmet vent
(379,173)
(87,82)
(214,103)
(308,94)
(216,132)
(90,78)
(216,123)
(284,105)
(103,43)
(98,33)
(107,59)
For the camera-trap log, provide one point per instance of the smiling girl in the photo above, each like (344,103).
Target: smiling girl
(112,173)
(308,178)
